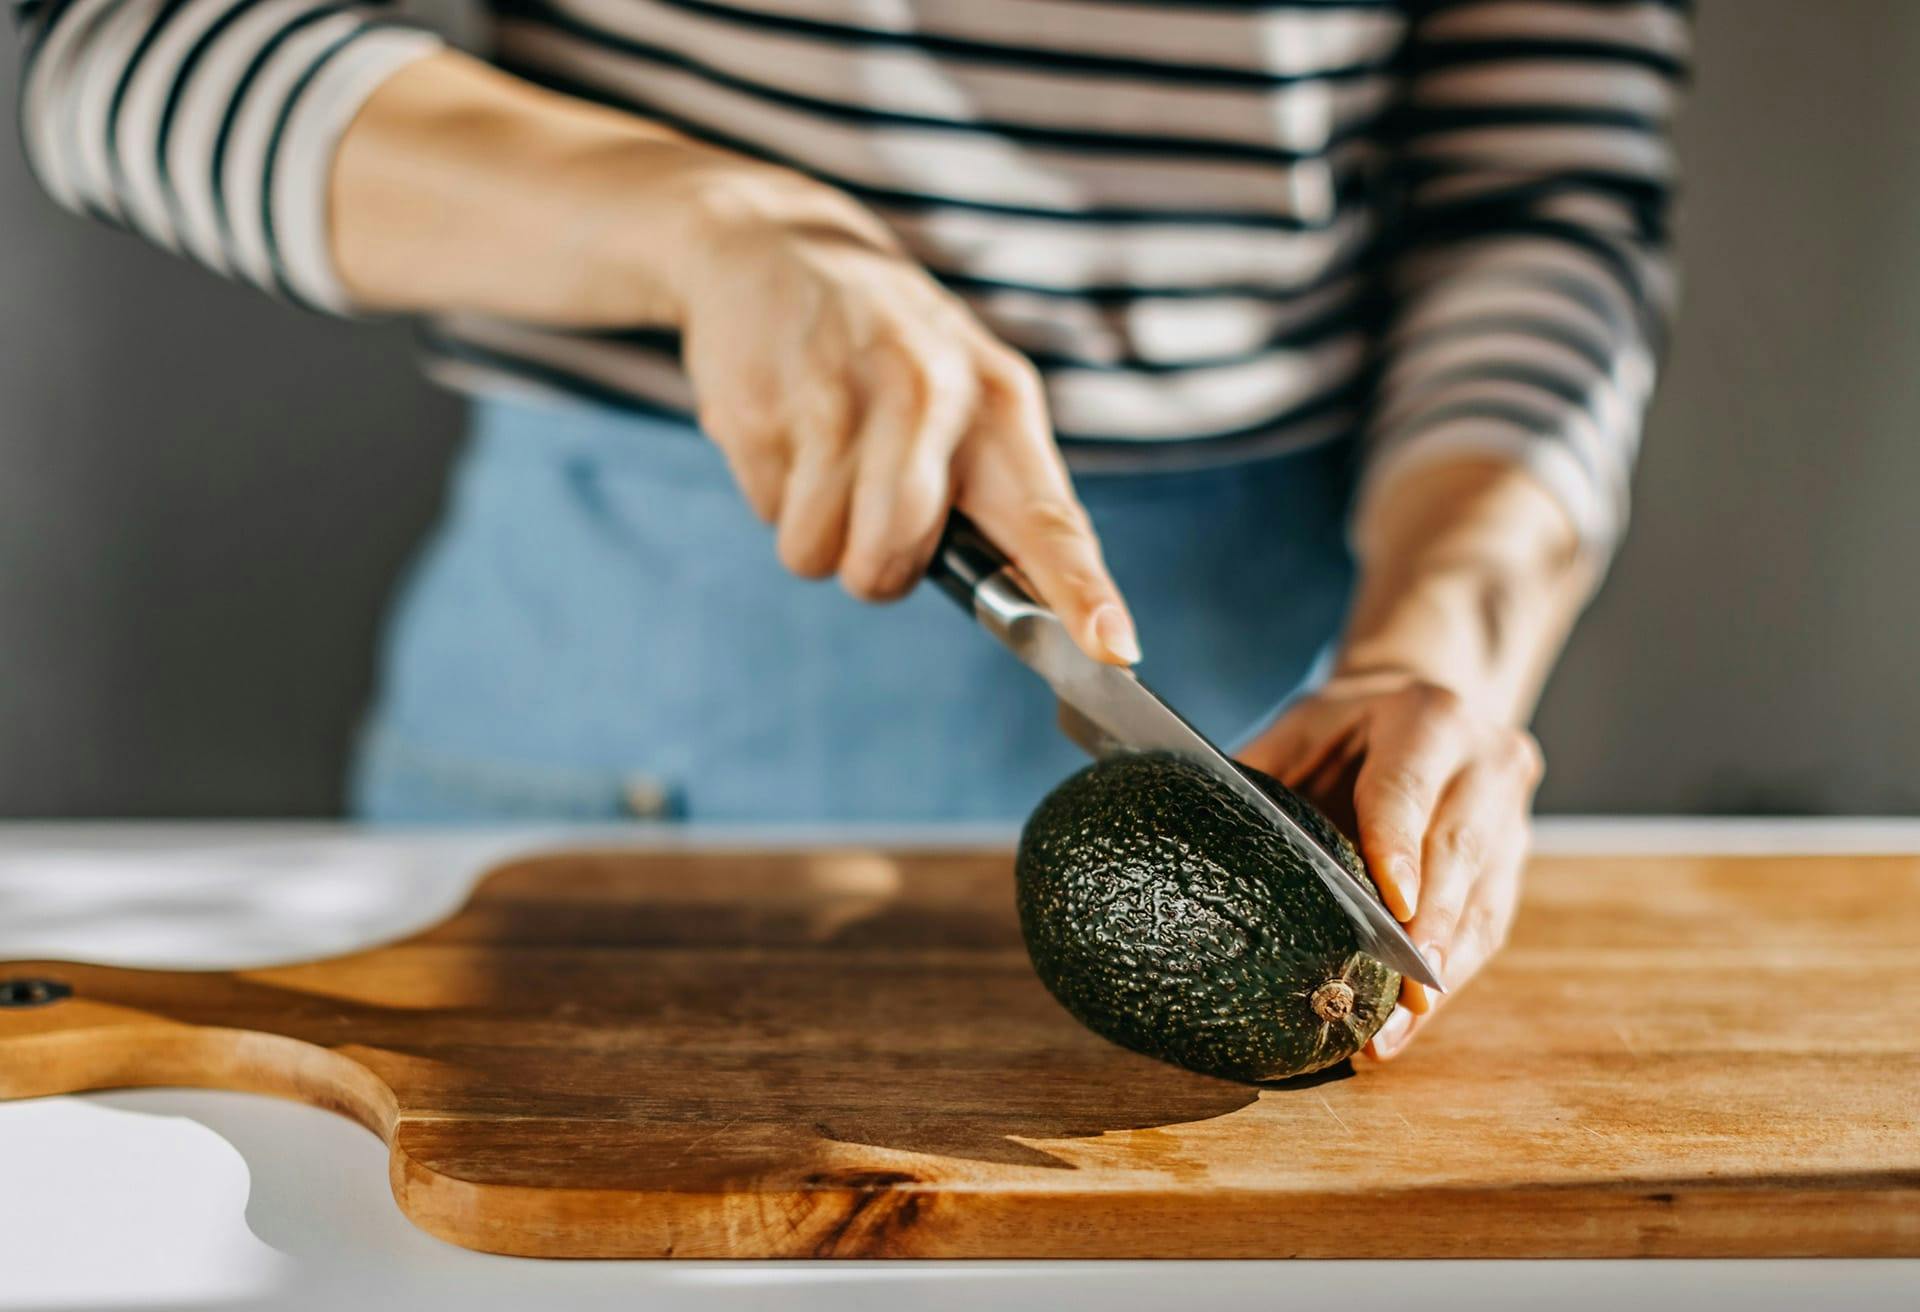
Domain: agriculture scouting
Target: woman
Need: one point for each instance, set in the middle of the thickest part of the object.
(1269, 279)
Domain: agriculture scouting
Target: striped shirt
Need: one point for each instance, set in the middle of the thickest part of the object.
(1220, 229)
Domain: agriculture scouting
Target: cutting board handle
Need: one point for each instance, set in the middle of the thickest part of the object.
(65, 1028)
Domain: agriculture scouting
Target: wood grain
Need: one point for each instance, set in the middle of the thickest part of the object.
(845, 1054)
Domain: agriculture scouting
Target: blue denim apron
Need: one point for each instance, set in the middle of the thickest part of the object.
(599, 628)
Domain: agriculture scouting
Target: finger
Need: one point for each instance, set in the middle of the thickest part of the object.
(756, 454)
(814, 503)
(1410, 758)
(917, 414)
(1316, 762)
(1330, 787)
(1483, 929)
(1487, 919)
(1277, 750)
(1473, 828)
(762, 479)
(1016, 488)
(1300, 744)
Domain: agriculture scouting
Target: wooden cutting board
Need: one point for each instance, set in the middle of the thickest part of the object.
(845, 1054)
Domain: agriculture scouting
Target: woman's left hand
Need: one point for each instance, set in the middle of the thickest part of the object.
(1439, 796)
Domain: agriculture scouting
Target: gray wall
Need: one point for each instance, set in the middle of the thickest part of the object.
(1754, 648)
(204, 496)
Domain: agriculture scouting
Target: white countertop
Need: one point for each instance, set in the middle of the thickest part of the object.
(161, 1199)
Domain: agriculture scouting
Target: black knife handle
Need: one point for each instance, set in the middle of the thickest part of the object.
(964, 560)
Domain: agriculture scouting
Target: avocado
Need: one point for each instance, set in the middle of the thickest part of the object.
(1168, 916)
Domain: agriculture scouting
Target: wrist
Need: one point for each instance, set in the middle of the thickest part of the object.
(628, 225)
(1444, 627)
(1470, 576)
(729, 213)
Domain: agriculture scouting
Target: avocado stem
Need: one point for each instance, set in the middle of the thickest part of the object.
(1332, 1001)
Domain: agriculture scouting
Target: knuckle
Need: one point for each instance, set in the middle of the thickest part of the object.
(919, 495)
(910, 512)
(1396, 786)
(1058, 520)
(945, 412)
(735, 428)
(1016, 392)
(1435, 700)
(1520, 751)
(944, 377)
(832, 433)
(1480, 924)
(1073, 583)
(1461, 842)
(901, 360)
(1394, 845)
(751, 404)
(933, 391)
(1389, 832)
(1015, 373)
(1440, 916)
(1079, 583)
(822, 416)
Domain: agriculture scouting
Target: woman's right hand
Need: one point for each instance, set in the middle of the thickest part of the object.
(857, 400)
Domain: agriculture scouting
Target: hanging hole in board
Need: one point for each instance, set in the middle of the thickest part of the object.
(32, 992)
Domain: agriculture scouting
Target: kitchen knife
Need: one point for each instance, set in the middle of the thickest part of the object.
(1105, 708)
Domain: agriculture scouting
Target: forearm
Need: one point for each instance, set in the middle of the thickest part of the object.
(459, 187)
(1531, 290)
(1470, 578)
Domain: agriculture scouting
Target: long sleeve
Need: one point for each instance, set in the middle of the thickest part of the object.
(207, 126)
(1530, 284)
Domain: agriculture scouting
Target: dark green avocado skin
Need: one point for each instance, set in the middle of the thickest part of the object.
(1167, 916)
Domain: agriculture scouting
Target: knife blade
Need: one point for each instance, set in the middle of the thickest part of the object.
(1105, 708)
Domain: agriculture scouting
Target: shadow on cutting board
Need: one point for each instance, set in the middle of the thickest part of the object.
(698, 1021)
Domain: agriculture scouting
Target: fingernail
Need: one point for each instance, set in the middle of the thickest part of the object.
(1415, 997)
(1393, 1033)
(1115, 632)
(1403, 888)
